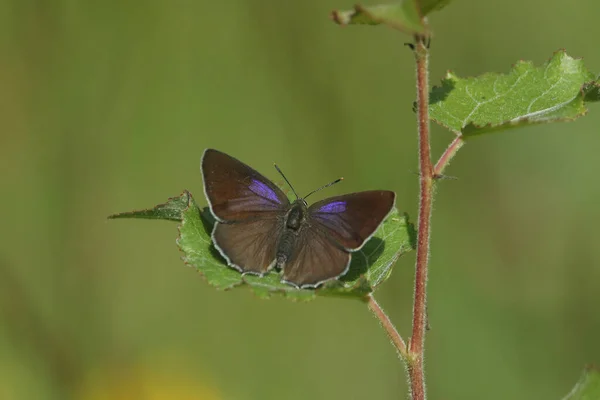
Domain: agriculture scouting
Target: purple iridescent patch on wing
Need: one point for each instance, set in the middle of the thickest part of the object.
(263, 191)
(333, 207)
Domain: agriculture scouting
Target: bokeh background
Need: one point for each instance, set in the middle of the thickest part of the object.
(107, 107)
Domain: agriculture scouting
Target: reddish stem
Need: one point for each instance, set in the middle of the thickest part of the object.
(416, 348)
(450, 152)
(389, 327)
(414, 353)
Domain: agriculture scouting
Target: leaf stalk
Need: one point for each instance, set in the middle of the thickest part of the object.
(448, 155)
(389, 327)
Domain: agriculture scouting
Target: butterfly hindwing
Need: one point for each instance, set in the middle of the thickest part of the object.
(315, 260)
(248, 246)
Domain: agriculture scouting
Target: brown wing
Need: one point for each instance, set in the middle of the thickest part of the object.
(351, 219)
(248, 246)
(315, 260)
(236, 192)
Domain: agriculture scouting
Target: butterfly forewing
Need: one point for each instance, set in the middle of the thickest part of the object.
(249, 246)
(237, 192)
(350, 220)
(315, 260)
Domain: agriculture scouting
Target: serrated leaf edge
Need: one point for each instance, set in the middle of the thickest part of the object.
(471, 129)
(131, 214)
(184, 258)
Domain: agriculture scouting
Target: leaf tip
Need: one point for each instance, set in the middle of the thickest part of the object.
(336, 17)
(343, 18)
(592, 368)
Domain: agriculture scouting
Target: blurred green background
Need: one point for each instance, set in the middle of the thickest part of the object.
(107, 107)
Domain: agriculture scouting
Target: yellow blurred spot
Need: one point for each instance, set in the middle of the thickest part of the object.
(142, 383)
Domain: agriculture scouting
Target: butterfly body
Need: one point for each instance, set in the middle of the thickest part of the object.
(294, 222)
(259, 229)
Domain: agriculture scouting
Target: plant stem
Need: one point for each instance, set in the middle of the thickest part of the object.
(386, 323)
(413, 354)
(416, 347)
(450, 152)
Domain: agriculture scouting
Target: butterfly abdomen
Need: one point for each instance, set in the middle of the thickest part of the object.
(285, 247)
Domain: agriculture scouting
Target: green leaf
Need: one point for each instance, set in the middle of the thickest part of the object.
(592, 91)
(406, 15)
(172, 210)
(556, 91)
(427, 6)
(196, 244)
(403, 16)
(370, 266)
(588, 387)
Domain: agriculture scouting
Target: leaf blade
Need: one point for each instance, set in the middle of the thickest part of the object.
(171, 210)
(556, 91)
(403, 16)
(370, 266)
(196, 244)
(406, 15)
(428, 6)
(588, 386)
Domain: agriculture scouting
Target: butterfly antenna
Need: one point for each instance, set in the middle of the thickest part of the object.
(288, 182)
(324, 186)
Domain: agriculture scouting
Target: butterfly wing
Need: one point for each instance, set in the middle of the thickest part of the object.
(336, 227)
(237, 192)
(316, 260)
(351, 219)
(248, 246)
(248, 208)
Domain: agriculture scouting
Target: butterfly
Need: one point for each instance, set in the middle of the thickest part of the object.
(257, 228)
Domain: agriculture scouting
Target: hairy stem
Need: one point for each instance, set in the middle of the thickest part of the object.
(386, 323)
(450, 152)
(416, 348)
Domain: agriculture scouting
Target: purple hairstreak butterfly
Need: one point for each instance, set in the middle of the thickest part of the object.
(257, 228)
